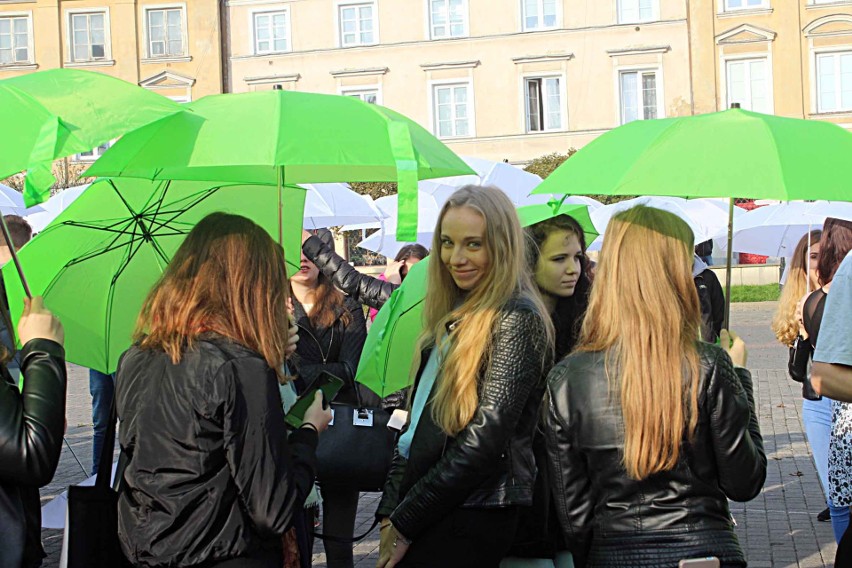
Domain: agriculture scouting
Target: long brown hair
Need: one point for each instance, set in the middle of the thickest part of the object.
(227, 277)
(836, 241)
(784, 324)
(469, 346)
(328, 302)
(644, 312)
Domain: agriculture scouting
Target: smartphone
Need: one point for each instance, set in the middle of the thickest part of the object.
(709, 562)
(327, 383)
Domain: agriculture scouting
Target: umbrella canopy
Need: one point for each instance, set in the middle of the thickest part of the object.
(515, 182)
(775, 230)
(96, 262)
(733, 153)
(12, 202)
(275, 137)
(532, 214)
(60, 112)
(385, 242)
(40, 216)
(334, 204)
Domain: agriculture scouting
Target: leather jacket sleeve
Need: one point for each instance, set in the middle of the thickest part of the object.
(390, 493)
(566, 465)
(353, 337)
(273, 479)
(363, 288)
(32, 422)
(516, 368)
(737, 443)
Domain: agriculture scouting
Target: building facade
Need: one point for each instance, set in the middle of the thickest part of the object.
(499, 79)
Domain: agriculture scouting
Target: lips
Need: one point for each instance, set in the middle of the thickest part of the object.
(569, 283)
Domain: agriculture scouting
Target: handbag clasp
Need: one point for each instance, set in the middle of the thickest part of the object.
(362, 417)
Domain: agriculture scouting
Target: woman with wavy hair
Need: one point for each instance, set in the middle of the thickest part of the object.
(212, 476)
(464, 464)
(649, 430)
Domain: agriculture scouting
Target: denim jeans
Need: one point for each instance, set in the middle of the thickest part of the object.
(816, 415)
(102, 389)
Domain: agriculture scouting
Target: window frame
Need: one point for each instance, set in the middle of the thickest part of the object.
(339, 6)
(563, 102)
(659, 89)
(837, 52)
(745, 58)
(359, 90)
(28, 17)
(655, 12)
(764, 5)
(70, 13)
(471, 108)
(146, 12)
(253, 14)
(558, 16)
(430, 26)
(96, 153)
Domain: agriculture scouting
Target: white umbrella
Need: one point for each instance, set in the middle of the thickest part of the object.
(775, 230)
(11, 201)
(334, 204)
(384, 241)
(41, 215)
(515, 182)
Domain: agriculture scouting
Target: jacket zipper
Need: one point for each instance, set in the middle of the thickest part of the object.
(324, 355)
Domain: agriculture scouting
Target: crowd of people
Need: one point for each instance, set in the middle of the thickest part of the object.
(558, 415)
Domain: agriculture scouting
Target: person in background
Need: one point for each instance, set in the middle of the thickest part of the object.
(704, 251)
(396, 271)
(649, 430)
(213, 479)
(21, 234)
(102, 389)
(464, 466)
(711, 298)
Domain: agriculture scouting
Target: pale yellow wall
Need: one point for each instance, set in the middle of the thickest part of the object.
(200, 71)
(589, 32)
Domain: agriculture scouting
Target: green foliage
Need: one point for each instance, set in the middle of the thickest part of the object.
(543, 166)
(374, 189)
(765, 293)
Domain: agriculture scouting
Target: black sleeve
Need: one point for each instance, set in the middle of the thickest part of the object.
(354, 336)
(361, 287)
(32, 422)
(717, 300)
(273, 473)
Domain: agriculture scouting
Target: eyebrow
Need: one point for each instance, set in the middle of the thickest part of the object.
(465, 239)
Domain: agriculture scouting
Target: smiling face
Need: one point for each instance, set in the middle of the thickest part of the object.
(464, 251)
(558, 268)
(308, 274)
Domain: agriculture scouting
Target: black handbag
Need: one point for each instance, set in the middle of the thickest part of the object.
(91, 524)
(357, 448)
(800, 355)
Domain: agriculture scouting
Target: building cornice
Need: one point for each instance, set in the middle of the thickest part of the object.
(542, 58)
(762, 35)
(639, 50)
(365, 72)
(450, 65)
(811, 30)
(264, 79)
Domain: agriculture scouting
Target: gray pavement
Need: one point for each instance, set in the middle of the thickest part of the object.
(777, 529)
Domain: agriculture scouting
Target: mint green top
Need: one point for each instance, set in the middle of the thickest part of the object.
(421, 396)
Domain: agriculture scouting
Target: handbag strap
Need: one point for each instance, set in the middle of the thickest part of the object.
(105, 460)
(345, 540)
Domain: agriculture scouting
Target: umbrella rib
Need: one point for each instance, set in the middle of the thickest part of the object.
(109, 248)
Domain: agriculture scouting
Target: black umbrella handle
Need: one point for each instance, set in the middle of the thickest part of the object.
(15, 259)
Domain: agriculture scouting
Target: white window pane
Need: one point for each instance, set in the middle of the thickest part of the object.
(157, 33)
(371, 98)
(81, 53)
(279, 20)
(174, 18)
(347, 13)
(461, 95)
(845, 81)
(349, 26)
(366, 37)
(462, 128)
(549, 10)
(280, 45)
(175, 47)
(365, 12)
(5, 55)
(457, 30)
(98, 37)
(263, 46)
(649, 95)
(263, 33)
(81, 38)
(443, 96)
(531, 14)
(97, 21)
(78, 22)
(155, 18)
(826, 82)
(445, 113)
(734, 3)
(5, 25)
(22, 54)
(445, 129)
(21, 26)
(5, 41)
(629, 97)
(736, 82)
(261, 20)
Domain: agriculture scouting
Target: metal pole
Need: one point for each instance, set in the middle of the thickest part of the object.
(14, 254)
(729, 262)
(281, 206)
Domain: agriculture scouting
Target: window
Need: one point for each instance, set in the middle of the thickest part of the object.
(638, 95)
(94, 154)
(165, 32)
(357, 24)
(88, 36)
(834, 82)
(367, 95)
(14, 40)
(632, 11)
(543, 101)
(748, 84)
(448, 18)
(745, 4)
(539, 14)
(451, 110)
(270, 32)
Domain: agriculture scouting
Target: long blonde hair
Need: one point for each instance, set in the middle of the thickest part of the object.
(644, 312)
(469, 345)
(784, 324)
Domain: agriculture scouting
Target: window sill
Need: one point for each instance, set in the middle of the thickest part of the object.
(813, 6)
(745, 12)
(448, 38)
(638, 22)
(830, 113)
(18, 67)
(93, 63)
(166, 59)
(455, 138)
(541, 132)
(352, 45)
(259, 55)
(541, 29)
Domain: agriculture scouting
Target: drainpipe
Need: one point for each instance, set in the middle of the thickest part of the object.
(225, 46)
(689, 50)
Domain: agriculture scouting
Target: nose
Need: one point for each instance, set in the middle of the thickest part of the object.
(458, 257)
(573, 267)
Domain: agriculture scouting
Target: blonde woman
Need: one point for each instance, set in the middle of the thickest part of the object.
(649, 430)
(465, 464)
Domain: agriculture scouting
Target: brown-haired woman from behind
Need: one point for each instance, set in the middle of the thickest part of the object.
(649, 430)
(213, 477)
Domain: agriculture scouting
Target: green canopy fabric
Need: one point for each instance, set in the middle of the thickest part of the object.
(274, 136)
(97, 261)
(59, 112)
(532, 214)
(733, 153)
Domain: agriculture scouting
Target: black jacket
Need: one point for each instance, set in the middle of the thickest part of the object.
(334, 349)
(712, 300)
(363, 288)
(31, 429)
(212, 474)
(681, 513)
(490, 463)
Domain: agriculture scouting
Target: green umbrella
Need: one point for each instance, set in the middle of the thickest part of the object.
(59, 112)
(385, 365)
(273, 137)
(96, 262)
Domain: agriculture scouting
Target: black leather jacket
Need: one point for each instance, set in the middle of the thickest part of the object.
(490, 463)
(681, 513)
(31, 429)
(212, 474)
(363, 288)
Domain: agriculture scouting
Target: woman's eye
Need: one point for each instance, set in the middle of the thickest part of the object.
(474, 244)
(558, 258)
(446, 242)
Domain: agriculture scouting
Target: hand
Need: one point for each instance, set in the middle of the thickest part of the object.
(398, 549)
(800, 307)
(386, 538)
(38, 322)
(735, 347)
(393, 272)
(305, 236)
(317, 415)
(292, 337)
